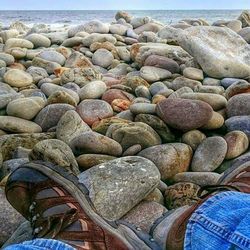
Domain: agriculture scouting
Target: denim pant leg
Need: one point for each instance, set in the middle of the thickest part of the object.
(40, 244)
(220, 223)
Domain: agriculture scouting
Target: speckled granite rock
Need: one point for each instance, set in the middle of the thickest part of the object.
(115, 187)
(181, 194)
(9, 143)
(57, 152)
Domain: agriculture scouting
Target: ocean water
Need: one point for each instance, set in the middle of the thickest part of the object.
(73, 17)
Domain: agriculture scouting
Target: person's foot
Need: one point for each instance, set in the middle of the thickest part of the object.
(58, 207)
(169, 230)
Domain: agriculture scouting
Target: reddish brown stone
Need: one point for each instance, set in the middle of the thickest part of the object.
(94, 110)
(162, 62)
(120, 105)
(184, 114)
(112, 94)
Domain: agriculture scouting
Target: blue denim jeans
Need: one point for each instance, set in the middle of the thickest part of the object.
(40, 244)
(222, 222)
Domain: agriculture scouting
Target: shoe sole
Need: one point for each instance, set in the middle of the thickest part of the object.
(77, 189)
(232, 172)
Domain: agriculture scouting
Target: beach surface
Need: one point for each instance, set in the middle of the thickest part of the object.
(145, 110)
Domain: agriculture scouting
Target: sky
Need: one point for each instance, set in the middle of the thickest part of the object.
(122, 4)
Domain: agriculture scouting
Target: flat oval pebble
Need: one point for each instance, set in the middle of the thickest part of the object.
(184, 114)
(200, 178)
(239, 105)
(94, 143)
(237, 144)
(103, 58)
(216, 122)
(239, 87)
(241, 123)
(209, 154)
(26, 108)
(49, 116)
(18, 125)
(182, 81)
(39, 40)
(87, 161)
(216, 101)
(17, 43)
(153, 74)
(110, 184)
(170, 159)
(52, 56)
(112, 94)
(134, 133)
(92, 90)
(94, 110)
(142, 108)
(18, 78)
(50, 88)
(193, 73)
(158, 125)
(70, 126)
(162, 62)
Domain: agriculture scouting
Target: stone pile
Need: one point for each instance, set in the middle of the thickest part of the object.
(145, 114)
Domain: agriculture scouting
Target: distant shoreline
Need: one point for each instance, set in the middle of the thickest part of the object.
(131, 10)
(60, 18)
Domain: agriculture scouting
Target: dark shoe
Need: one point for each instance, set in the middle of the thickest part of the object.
(169, 231)
(58, 207)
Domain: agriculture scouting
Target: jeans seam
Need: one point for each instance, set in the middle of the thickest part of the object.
(222, 232)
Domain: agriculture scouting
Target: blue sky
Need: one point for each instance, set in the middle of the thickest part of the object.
(122, 4)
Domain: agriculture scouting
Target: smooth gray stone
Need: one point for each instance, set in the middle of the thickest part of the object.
(52, 56)
(157, 87)
(70, 126)
(49, 116)
(170, 158)
(226, 82)
(6, 98)
(115, 187)
(92, 142)
(209, 154)
(11, 165)
(241, 123)
(199, 178)
(143, 108)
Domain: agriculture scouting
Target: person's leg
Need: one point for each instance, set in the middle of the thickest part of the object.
(40, 244)
(221, 222)
(228, 215)
(58, 207)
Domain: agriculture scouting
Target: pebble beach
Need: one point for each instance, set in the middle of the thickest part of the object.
(144, 113)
